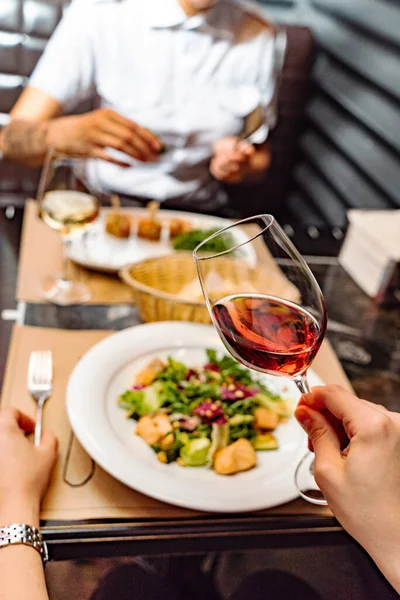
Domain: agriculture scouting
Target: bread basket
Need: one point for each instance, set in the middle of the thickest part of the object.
(162, 287)
(156, 284)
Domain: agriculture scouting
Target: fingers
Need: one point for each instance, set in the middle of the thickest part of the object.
(245, 149)
(97, 152)
(109, 140)
(228, 170)
(49, 446)
(336, 423)
(325, 443)
(13, 416)
(238, 155)
(334, 398)
(109, 128)
(147, 136)
(231, 159)
(232, 148)
(125, 140)
(142, 139)
(358, 417)
(225, 145)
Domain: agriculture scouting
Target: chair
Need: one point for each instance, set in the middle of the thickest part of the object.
(270, 194)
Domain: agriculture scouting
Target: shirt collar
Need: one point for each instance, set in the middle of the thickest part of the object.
(165, 14)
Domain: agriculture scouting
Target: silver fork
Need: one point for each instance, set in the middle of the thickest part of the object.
(40, 385)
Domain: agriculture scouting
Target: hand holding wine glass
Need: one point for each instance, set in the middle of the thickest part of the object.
(357, 466)
(276, 320)
(67, 204)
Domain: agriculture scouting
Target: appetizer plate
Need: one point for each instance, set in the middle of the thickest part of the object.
(99, 251)
(108, 369)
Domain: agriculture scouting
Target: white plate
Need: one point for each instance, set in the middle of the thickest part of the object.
(99, 251)
(108, 369)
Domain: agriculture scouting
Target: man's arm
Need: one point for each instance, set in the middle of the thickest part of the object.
(24, 139)
(64, 76)
(34, 129)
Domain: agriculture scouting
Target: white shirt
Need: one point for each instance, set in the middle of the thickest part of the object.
(190, 80)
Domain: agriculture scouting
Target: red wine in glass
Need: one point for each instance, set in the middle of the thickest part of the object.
(267, 333)
(259, 323)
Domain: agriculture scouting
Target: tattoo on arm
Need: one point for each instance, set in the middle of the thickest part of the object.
(25, 141)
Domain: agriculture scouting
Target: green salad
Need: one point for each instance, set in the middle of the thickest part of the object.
(217, 415)
(191, 239)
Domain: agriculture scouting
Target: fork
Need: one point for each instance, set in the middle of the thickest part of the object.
(40, 385)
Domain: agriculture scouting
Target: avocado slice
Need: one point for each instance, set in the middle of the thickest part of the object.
(241, 419)
(265, 441)
(194, 454)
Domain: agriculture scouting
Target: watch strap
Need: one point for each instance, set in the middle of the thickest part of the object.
(20, 533)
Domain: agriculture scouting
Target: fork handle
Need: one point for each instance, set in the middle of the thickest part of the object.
(39, 422)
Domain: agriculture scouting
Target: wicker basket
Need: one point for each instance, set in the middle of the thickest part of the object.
(156, 283)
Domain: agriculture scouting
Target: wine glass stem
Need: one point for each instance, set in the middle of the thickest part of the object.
(302, 384)
(65, 259)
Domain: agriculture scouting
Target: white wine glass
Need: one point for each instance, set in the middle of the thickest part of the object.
(68, 204)
(266, 306)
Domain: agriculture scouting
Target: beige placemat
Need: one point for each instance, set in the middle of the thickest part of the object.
(80, 490)
(41, 257)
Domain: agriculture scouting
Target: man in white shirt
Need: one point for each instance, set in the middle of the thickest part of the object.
(180, 74)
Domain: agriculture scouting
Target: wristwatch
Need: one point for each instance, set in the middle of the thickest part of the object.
(19, 533)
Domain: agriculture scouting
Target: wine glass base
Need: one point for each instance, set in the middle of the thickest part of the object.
(305, 482)
(63, 292)
(313, 497)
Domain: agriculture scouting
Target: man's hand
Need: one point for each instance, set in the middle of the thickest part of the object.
(25, 469)
(90, 134)
(230, 162)
(357, 467)
(234, 160)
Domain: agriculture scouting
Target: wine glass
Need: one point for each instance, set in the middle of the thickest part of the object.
(266, 306)
(66, 203)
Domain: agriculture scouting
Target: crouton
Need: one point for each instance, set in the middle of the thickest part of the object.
(237, 457)
(266, 419)
(147, 375)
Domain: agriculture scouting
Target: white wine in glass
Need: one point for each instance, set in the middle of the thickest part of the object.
(68, 210)
(67, 204)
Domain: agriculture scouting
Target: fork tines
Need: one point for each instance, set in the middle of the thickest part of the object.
(40, 370)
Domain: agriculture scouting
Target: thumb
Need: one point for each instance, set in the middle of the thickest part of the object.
(246, 149)
(49, 447)
(324, 440)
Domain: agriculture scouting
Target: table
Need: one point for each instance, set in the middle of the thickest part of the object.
(366, 339)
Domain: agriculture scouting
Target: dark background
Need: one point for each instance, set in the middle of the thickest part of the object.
(349, 153)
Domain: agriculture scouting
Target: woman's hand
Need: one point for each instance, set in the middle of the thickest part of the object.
(357, 467)
(25, 470)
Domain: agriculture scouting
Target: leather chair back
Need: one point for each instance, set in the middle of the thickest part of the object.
(270, 194)
(25, 27)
